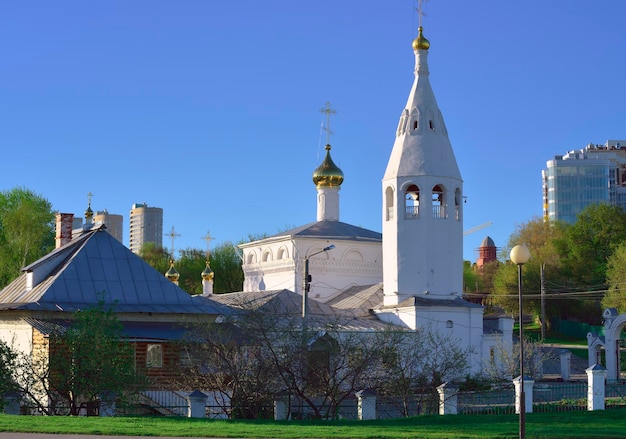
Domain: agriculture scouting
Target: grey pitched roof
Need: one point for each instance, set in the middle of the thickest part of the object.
(334, 230)
(286, 302)
(76, 275)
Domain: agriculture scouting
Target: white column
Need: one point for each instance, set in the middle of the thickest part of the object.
(566, 359)
(528, 394)
(281, 408)
(197, 404)
(596, 376)
(366, 404)
(448, 399)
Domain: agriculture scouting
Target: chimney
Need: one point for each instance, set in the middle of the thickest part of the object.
(64, 223)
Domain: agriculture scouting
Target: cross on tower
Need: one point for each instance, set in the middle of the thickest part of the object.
(89, 195)
(420, 10)
(173, 235)
(208, 238)
(329, 112)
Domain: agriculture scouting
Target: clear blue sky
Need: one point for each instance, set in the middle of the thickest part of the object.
(210, 109)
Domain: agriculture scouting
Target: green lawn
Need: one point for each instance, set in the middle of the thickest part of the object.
(599, 424)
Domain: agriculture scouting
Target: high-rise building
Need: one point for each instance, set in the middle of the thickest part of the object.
(113, 223)
(593, 175)
(146, 225)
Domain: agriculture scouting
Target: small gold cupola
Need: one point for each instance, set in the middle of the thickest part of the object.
(207, 273)
(328, 173)
(420, 43)
(172, 274)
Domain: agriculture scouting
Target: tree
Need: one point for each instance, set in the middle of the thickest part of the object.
(81, 365)
(541, 238)
(224, 262)
(26, 231)
(615, 296)
(8, 361)
(265, 352)
(415, 363)
(587, 245)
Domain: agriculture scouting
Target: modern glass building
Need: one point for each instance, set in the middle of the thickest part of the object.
(595, 174)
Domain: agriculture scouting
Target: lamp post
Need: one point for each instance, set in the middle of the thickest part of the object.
(519, 256)
(307, 284)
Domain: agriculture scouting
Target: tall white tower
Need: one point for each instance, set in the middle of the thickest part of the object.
(422, 193)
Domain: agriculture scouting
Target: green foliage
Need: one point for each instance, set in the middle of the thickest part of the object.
(89, 361)
(615, 297)
(26, 231)
(223, 260)
(156, 256)
(587, 245)
(8, 361)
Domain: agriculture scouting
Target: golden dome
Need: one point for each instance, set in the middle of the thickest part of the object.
(172, 274)
(207, 273)
(328, 173)
(420, 43)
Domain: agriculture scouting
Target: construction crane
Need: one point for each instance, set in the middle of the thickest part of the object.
(477, 228)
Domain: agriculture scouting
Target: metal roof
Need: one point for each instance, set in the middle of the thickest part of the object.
(334, 230)
(95, 266)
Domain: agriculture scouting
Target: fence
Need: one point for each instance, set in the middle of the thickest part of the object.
(595, 394)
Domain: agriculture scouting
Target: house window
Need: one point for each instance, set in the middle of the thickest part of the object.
(154, 356)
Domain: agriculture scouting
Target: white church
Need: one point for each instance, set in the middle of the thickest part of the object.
(411, 275)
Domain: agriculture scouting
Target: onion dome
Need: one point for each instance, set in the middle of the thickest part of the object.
(420, 43)
(172, 274)
(207, 273)
(88, 214)
(328, 173)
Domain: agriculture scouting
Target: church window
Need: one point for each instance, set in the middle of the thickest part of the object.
(438, 198)
(412, 202)
(457, 204)
(154, 356)
(389, 203)
(431, 124)
(282, 253)
(414, 124)
(251, 258)
(449, 324)
(267, 256)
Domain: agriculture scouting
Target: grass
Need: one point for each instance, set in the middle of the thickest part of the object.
(582, 425)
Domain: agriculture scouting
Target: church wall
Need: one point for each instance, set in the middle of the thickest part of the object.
(350, 263)
(17, 334)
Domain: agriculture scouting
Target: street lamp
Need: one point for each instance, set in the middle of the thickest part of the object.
(307, 282)
(519, 256)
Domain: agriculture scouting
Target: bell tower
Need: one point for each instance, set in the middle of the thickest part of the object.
(422, 194)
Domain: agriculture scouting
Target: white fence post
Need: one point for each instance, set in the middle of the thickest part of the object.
(566, 359)
(596, 376)
(448, 398)
(366, 404)
(197, 404)
(528, 394)
(281, 408)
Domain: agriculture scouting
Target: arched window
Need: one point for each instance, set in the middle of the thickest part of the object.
(457, 204)
(267, 256)
(389, 203)
(412, 202)
(282, 253)
(439, 204)
(251, 258)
